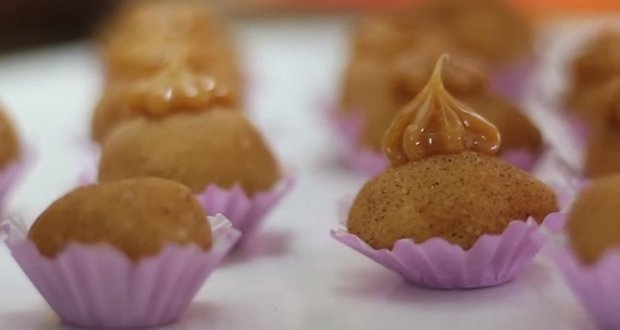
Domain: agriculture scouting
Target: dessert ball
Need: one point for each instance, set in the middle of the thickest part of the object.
(517, 130)
(444, 180)
(9, 141)
(214, 147)
(593, 225)
(457, 197)
(377, 90)
(137, 216)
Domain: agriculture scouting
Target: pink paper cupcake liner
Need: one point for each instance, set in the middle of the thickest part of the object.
(436, 263)
(245, 213)
(98, 286)
(596, 286)
(513, 79)
(349, 128)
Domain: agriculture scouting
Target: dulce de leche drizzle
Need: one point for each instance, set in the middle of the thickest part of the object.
(436, 123)
(179, 88)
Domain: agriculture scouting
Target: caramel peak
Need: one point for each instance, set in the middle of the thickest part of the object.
(436, 123)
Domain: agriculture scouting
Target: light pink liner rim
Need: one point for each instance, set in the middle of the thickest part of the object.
(391, 259)
(14, 232)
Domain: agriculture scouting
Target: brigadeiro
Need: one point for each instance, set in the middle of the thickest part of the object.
(447, 213)
(131, 253)
(219, 154)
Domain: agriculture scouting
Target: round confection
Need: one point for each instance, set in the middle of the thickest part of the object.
(137, 216)
(603, 150)
(457, 197)
(593, 225)
(9, 141)
(214, 147)
(377, 90)
(517, 130)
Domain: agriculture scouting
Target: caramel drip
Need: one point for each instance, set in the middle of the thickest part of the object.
(179, 88)
(436, 123)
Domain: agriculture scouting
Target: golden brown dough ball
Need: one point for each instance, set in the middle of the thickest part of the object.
(593, 225)
(456, 197)
(215, 147)
(517, 130)
(137, 216)
(10, 149)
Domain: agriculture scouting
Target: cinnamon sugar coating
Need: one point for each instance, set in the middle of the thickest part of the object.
(457, 197)
(137, 216)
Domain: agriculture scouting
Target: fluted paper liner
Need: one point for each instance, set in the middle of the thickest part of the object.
(245, 213)
(436, 263)
(98, 286)
(597, 286)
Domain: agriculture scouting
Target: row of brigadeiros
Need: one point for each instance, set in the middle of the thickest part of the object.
(453, 202)
(176, 150)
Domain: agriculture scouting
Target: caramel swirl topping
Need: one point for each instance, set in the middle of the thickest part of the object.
(179, 88)
(436, 123)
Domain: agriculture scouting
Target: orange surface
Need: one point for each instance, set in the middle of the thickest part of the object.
(568, 5)
(533, 6)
